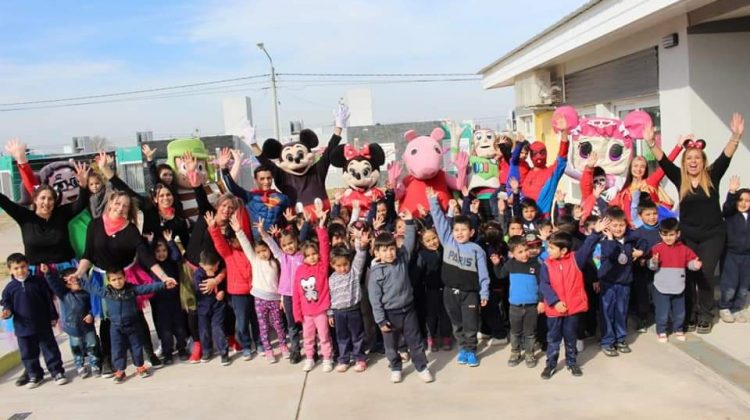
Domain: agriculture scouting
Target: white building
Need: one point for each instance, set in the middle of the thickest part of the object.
(686, 62)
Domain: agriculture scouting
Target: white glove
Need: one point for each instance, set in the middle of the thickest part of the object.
(341, 114)
(248, 133)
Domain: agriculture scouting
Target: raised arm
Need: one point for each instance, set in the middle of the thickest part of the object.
(442, 227)
(737, 126)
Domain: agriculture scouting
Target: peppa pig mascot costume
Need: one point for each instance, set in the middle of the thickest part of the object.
(423, 159)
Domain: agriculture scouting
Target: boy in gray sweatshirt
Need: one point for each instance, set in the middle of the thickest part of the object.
(465, 276)
(392, 300)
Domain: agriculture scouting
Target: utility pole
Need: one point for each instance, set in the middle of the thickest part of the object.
(276, 131)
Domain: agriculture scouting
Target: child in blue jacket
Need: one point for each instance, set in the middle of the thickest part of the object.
(123, 316)
(79, 321)
(27, 299)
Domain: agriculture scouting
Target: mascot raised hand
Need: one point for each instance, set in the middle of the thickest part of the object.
(295, 170)
(423, 158)
(361, 173)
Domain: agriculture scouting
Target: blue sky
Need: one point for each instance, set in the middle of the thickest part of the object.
(72, 48)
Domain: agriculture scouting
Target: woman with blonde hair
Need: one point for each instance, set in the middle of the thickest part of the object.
(701, 221)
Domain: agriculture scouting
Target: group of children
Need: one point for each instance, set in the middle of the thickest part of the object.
(406, 283)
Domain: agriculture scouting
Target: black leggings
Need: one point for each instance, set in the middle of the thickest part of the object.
(700, 303)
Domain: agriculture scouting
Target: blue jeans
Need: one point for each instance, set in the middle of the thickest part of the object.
(667, 305)
(124, 337)
(350, 334)
(615, 298)
(211, 326)
(735, 279)
(292, 328)
(242, 307)
(86, 345)
(559, 328)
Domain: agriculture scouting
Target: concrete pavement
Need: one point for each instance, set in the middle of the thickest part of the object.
(656, 380)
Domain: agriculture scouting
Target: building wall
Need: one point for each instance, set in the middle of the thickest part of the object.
(720, 85)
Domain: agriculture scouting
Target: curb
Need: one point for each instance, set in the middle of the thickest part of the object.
(9, 361)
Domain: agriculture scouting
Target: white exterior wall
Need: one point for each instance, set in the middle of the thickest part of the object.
(720, 85)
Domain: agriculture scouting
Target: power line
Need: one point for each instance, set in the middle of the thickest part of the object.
(138, 98)
(378, 74)
(133, 92)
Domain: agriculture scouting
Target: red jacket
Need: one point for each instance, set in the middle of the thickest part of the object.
(310, 293)
(239, 270)
(561, 280)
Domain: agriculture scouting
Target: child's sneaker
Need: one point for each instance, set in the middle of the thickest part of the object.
(119, 377)
(623, 347)
(548, 372)
(22, 380)
(426, 376)
(183, 355)
(168, 360)
(295, 358)
(107, 371)
(270, 357)
(461, 359)
(610, 351)
(471, 359)
(83, 372)
(342, 367)
(96, 371)
(206, 358)
(447, 344)
(155, 362)
(726, 316)
(327, 365)
(680, 336)
(515, 359)
(360, 366)
(662, 338)
(233, 344)
(195, 355)
(247, 354)
(396, 376)
(432, 344)
(285, 351)
(60, 379)
(143, 371)
(34, 382)
(740, 317)
(530, 360)
(225, 360)
(308, 365)
(575, 370)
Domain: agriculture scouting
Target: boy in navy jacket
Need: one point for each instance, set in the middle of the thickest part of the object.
(27, 298)
(647, 232)
(211, 308)
(79, 321)
(467, 281)
(123, 316)
(618, 250)
(525, 300)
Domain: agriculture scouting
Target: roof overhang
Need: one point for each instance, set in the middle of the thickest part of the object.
(593, 24)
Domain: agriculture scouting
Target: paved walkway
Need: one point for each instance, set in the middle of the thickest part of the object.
(656, 380)
(706, 378)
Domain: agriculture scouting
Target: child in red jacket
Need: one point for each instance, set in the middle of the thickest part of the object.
(669, 260)
(311, 297)
(239, 282)
(561, 283)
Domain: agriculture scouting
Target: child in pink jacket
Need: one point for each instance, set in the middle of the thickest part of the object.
(311, 297)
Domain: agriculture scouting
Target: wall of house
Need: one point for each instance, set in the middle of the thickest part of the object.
(720, 85)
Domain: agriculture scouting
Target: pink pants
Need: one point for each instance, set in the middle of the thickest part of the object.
(319, 323)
